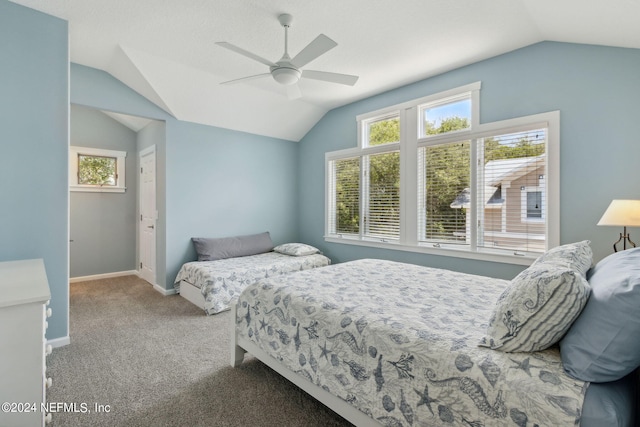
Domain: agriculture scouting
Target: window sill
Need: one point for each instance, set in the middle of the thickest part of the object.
(451, 251)
(91, 189)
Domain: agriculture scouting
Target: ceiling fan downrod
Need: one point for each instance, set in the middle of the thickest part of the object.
(285, 73)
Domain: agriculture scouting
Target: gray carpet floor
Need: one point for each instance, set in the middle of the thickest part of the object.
(151, 360)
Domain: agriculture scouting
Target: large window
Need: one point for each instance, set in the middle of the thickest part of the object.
(427, 177)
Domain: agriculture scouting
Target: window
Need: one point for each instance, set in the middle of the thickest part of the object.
(427, 177)
(345, 208)
(446, 115)
(534, 204)
(382, 204)
(444, 192)
(96, 170)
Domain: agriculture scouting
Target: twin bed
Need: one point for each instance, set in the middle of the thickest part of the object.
(226, 266)
(394, 344)
(213, 285)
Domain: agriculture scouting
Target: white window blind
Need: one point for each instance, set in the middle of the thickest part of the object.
(512, 191)
(443, 192)
(345, 196)
(382, 212)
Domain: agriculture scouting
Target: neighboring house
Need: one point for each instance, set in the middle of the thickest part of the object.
(514, 196)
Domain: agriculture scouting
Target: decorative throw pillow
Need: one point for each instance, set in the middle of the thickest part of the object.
(576, 256)
(296, 249)
(604, 343)
(536, 309)
(212, 249)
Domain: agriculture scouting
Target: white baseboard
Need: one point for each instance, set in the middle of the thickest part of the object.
(164, 291)
(59, 342)
(103, 276)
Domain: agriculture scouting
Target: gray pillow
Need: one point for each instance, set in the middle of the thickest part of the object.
(211, 249)
(536, 309)
(604, 342)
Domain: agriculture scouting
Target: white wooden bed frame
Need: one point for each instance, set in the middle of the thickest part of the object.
(192, 294)
(240, 346)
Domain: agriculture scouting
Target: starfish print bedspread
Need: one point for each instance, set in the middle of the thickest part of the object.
(400, 343)
(222, 281)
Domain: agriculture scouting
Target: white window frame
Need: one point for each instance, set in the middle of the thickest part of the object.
(75, 151)
(408, 145)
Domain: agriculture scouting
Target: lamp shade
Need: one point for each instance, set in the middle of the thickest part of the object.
(624, 213)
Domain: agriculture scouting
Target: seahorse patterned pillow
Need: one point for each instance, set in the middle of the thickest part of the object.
(536, 309)
(296, 249)
(576, 256)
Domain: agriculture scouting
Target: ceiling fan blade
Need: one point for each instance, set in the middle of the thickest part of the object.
(343, 79)
(244, 79)
(293, 92)
(246, 53)
(317, 47)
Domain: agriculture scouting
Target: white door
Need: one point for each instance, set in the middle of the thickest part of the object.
(148, 215)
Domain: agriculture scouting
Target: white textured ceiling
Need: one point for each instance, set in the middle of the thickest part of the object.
(165, 50)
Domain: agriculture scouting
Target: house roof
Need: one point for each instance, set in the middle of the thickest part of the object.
(499, 171)
(166, 50)
(496, 173)
(492, 198)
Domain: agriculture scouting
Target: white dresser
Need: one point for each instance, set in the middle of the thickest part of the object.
(24, 295)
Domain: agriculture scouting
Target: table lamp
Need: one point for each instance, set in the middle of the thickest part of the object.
(625, 213)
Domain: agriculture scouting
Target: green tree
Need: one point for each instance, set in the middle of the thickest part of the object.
(447, 125)
(447, 175)
(347, 196)
(384, 180)
(96, 170)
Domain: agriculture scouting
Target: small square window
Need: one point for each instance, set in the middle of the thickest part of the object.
(96, 170)
(382, 131)
(448, 115)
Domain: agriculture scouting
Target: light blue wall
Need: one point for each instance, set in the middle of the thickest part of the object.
(596, 90)
(222, 183)
(154, 134)
(103, 225)
(216, 182)
(34, 115)
(97, 89)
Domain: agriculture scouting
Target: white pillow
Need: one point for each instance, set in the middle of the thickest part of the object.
(296, 249)
(536, 309)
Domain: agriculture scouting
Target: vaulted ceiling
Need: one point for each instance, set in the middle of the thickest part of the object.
(166, 51)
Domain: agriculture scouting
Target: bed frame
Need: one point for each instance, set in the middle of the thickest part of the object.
(192, 294)
(240, 346)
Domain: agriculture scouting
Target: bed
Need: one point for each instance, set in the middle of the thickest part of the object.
(226, 266)
(408, 345)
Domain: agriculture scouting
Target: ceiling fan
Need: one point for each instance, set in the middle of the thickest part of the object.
(287, 71)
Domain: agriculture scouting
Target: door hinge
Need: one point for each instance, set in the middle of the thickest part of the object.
(140, 265)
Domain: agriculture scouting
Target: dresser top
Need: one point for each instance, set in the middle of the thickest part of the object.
(23, 282)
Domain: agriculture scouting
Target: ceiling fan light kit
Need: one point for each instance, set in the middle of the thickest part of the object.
(285, 75)
(287, 70)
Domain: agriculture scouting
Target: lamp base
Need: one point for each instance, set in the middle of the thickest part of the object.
(624, 237)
